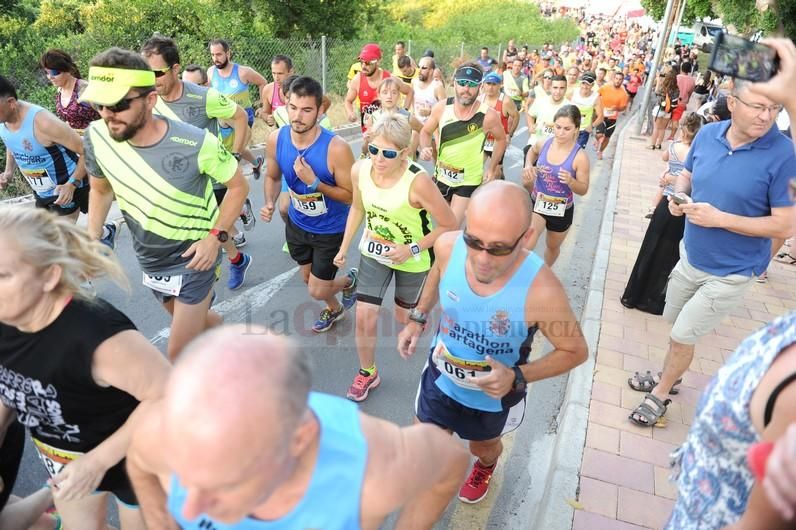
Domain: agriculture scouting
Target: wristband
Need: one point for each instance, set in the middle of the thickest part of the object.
(74, 182)
(314, 186)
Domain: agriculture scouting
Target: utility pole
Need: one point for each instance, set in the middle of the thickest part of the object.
(663, 41)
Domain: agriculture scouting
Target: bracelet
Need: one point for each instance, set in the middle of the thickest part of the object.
(74, 182)
(314, 186)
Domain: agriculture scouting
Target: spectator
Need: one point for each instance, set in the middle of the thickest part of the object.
(668, 97)
(685, 84)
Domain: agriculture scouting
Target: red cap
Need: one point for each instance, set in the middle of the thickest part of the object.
(370, 52)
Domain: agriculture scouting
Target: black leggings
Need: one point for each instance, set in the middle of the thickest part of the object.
(10, 458)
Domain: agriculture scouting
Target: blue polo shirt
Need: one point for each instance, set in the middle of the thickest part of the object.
(747, 181)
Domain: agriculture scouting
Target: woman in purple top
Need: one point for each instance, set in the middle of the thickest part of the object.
(62, 72)
(556, 168)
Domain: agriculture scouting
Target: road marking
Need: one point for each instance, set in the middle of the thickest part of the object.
(237, 308)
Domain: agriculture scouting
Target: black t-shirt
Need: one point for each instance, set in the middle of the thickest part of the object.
(46, 377)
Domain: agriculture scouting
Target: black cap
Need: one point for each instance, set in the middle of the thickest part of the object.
(588, 77)
(470, 73)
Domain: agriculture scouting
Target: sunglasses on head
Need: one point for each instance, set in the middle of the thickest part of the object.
(476, 245)
(161, 71)
(52, 72)
(121, 105)
(467, 82)
(389, 154)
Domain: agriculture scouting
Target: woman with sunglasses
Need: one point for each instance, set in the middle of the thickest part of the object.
(390, 96)
(557, 169)
(397, 200)
(63, 73)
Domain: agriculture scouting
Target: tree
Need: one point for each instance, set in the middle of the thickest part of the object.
(312, 18)
(744, 15)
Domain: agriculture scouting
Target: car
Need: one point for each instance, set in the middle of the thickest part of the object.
(705, 33)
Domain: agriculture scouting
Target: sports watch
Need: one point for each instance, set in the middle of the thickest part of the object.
(221, 235)
(520, 384)
(236, 156)
(414, 248)
(418, 316)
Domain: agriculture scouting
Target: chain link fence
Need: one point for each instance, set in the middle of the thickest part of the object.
(327, 60)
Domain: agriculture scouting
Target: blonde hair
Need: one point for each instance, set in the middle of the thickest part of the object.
(394, 128)
(389, 82)
(45, 240)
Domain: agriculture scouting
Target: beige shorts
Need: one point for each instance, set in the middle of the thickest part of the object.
(697, 302)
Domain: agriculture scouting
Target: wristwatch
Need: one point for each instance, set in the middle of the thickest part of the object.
(414, 248)
(237, 156)
(418, 316)
(221, 235)
(520, 384)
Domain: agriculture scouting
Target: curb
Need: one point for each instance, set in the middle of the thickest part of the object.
(563, 476)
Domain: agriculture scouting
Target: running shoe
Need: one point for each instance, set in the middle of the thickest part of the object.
(110, 237)
(237, 273)
(247, 215)
(327, 319)
(257, 168)
(350, 292)
(476, 486)
(362, 385)
(239, 240)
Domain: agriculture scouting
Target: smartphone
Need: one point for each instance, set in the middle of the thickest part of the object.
(743, 59)
(681, 198)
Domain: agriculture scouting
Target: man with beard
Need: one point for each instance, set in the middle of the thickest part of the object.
(316, 165)
(427, 91)
(365, 86)
(464, 122)
(540, 116)
(160, 171)
(281, 69)
(233, 80)
(614, 100)
(202, 107)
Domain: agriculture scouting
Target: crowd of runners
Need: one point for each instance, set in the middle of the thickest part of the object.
(170, 145)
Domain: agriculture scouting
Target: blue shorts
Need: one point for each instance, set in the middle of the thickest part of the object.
(433, 406)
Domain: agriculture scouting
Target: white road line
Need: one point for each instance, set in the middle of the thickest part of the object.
(236, 309)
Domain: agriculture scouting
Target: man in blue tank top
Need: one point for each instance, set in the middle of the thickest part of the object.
(233, 79)
(494, 295)
(316, 165)
(48, 153)
(262, 452)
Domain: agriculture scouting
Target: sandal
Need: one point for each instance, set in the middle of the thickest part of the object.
(652, 147)
(646, 382)
(644, 415)
(785, 257)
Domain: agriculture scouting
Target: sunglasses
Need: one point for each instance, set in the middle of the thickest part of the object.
(476, 245)
(162, 71)
(51, 72)
(467, 82)
(120, 106)
(389, 154)
(368, 63)
(547, 77)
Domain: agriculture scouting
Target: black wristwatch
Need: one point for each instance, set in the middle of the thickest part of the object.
(221, 235)
(418, 316)
(520, 384)
(237, 156)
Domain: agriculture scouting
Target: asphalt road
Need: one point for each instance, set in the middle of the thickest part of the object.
(275, 296)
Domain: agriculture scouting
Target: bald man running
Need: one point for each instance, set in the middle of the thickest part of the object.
(267, 451)
(494, 296)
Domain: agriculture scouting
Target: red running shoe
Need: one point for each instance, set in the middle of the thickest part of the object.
(476, 486)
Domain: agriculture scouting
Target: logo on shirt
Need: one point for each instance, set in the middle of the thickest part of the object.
(175, 163)
(472, 127)
(27, 145)
(233, 83)
(453, 296)
(184, 141)
(500, 324)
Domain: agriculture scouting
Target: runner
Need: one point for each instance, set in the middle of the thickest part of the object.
(72, 367)
(317, 167)
(233, 80)
(400, 52)
(427, 91)
(485, 61)
(614, 101)
(364, 86)
(201, 107)
(160, 171)
(463, 122)
(47, 152)
(509, 117)
(515, 84)
(572, 81)
(389, 96)
(555, 169)
(397, 199)
(494, 295)
(281, 69)
(540, 117)
(590, 105)
(63, 73)
(543, 87)
(312, 461)
(193, 73)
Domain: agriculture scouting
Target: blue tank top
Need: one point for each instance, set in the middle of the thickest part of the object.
(235, 89)
(43, 167)
(472, 327)
(547, 175)
(332, 500)
(311, 211)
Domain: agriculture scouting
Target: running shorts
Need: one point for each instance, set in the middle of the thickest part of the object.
(318, 250)
(607, 127)
(79, 201)
(449, 191)
(195, 286)
(557, 224)
(375, 277)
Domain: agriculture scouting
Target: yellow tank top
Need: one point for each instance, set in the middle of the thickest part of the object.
(461, 147)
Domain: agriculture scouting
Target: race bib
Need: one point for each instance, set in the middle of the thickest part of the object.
(552, 206)
(489, 145)
(310, 204)
(610, 113)
(54, 459)
(373, 246)
(451, 175)
(458, 370)
(39, 180)
(170, 285)
(547, 130)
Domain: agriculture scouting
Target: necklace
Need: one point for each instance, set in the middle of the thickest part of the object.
(473, 108)
(302, 152)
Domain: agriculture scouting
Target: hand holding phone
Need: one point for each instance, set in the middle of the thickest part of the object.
(681, 198)
(743, 59)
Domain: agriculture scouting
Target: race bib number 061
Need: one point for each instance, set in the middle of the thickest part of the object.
(459, 371)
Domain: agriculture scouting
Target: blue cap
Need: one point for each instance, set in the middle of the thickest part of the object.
(493, 77)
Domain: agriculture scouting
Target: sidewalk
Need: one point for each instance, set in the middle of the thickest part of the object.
(624, 473)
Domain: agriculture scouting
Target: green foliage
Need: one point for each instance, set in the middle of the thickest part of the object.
(311, 18)
(743, 15)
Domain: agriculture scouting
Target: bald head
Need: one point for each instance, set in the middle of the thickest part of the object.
(234, 379)
(502, 202)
